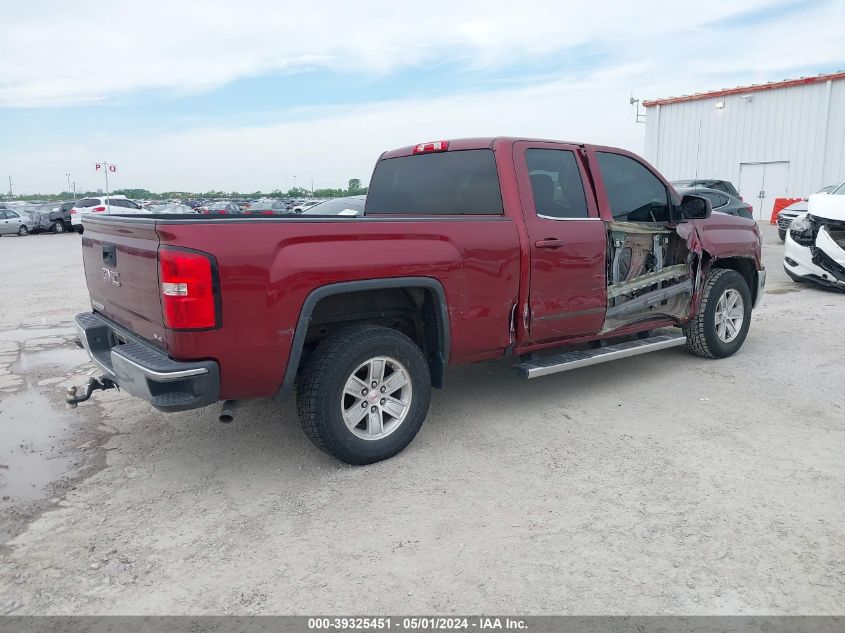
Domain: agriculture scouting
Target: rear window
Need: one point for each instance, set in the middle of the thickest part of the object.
(443, 183)
(88, 202)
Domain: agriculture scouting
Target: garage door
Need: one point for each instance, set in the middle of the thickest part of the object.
(761, 183)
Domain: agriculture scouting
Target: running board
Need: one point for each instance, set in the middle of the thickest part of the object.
(573, 360)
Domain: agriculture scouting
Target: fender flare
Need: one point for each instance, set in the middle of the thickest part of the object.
(437, 364)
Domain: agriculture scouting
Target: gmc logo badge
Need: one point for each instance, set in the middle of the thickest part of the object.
(111, 276)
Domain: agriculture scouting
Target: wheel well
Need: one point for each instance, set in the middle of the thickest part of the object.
(418, 311)
(744, 267)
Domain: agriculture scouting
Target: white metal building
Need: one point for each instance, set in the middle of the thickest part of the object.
(782, 139)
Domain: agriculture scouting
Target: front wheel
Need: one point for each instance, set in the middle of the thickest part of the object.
(719, 327)
(782, 235)
(23, 231)
(364, 394)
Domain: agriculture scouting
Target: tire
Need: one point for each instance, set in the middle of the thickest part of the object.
(322, 394)
(705, 336)
(23, 231)
(58, 227)
(80, 229)
(782, 235)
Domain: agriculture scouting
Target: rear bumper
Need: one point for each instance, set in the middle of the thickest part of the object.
(145, 371)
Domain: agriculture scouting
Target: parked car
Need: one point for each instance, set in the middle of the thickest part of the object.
(59, 219)
(361, 318)
(172, 208)
(15, 223)
(267, 206)
(303, 206)
(101, 205)
(814, 251)
(788, 214)
(722, 202)
(221, 208)
(708, 183)
(350, 205)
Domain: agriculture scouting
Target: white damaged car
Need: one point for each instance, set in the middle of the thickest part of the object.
(815, 243)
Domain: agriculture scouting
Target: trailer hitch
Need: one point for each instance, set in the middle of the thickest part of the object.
(93, 385)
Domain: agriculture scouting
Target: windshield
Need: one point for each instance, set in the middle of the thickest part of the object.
(338, 206)
(839, 191)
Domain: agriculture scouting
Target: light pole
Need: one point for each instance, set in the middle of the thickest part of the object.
(294, 182)
(68, 182)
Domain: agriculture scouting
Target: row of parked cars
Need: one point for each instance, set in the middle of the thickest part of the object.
(24, 219)
(69, 215)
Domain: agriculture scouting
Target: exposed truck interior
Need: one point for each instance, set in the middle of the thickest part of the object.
(650, 273)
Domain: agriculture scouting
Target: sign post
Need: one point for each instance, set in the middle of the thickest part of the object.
(106, 168)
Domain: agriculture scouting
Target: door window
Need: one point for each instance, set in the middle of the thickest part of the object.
(556, 184)
(634, 193)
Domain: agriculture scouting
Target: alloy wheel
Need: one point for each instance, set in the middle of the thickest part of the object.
(376, 398)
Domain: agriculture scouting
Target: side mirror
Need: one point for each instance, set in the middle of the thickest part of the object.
(695, 207)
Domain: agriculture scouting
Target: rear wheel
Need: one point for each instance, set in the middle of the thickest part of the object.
(719, 327)
(80, 230)
(23, 231)
(364, 394)
(58, 227)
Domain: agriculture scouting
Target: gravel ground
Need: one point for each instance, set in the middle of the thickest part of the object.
(658, 484)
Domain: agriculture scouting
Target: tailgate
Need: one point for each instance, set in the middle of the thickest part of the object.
(121, 268)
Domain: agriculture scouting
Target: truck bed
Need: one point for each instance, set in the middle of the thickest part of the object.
(268, 266)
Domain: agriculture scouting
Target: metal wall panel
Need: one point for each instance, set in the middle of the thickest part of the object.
(804, 125)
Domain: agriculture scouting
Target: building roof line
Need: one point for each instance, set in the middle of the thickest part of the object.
(788, 83)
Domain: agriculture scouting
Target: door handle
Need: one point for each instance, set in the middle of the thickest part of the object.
(549, 242)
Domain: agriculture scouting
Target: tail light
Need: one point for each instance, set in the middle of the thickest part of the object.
(436, 146)
(98, 209)
(189, 289)
(73, 211)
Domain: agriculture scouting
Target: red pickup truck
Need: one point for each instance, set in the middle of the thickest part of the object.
(467, 250)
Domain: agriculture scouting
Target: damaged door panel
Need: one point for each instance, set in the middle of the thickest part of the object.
(650, 274)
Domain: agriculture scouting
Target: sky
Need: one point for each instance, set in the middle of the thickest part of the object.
(197, 95)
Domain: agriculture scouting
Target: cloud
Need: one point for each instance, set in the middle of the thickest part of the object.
(660, 50)
(341, 142)
(61, 53)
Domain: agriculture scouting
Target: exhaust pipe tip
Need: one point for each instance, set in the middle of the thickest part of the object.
(227, 411)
